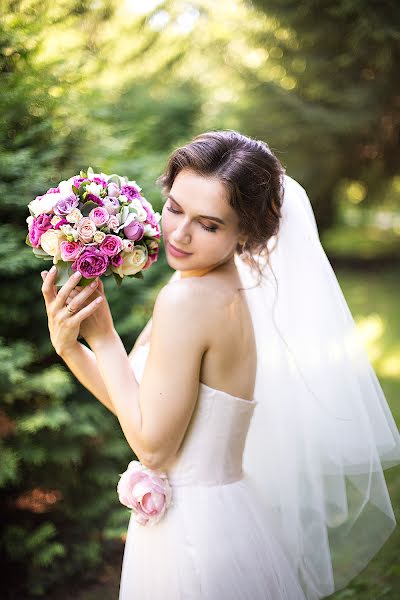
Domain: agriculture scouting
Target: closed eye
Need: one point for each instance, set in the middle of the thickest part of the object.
(211, 229)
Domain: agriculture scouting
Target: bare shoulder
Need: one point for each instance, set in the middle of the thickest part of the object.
(192, 303)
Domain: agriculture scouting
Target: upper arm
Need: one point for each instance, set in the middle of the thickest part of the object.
(170, 382)
(144, 335)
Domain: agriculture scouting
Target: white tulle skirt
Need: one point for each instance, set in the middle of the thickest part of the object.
(214, 542)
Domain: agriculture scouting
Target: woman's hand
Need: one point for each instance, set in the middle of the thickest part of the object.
(100, 323)
(63, 325)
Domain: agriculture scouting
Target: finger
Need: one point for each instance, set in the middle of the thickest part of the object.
(84, 312)
(66, 289)
(80, 298)
(49, 290)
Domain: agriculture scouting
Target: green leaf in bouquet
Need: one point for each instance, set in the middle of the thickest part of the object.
(40, 253)
(28, 241)
(64, 272)
(90, 172)
(138, 275)
(118, 279)
(87, 207)
(75, 190)
(84, 281)
(82, 174)
(114, 178)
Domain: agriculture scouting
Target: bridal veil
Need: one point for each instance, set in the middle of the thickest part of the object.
(322, 431)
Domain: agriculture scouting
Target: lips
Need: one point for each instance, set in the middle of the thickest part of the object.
(178, 250)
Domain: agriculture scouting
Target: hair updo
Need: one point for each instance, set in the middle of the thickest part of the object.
(252, 176)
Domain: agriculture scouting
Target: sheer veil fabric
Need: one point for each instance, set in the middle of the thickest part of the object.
(322, 431)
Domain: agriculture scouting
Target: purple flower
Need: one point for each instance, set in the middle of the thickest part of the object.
(65, 205)
(100, 181)
(134, 231)
(55, 190)
(62, 222)
(78, 181)
(39, 225)
(117, 260)
(91, 263)
(151, 218)
(130, 192)
(92, 198)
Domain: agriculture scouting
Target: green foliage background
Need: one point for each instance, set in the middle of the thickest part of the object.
(108, 85)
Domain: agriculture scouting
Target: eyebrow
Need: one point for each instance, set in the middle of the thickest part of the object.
(217, 219)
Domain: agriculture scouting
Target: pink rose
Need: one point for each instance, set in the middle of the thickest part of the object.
(86, 229)
(70, 250)
(111, 204)
(134, 230)
(91, 263)
(39, 225)
(145, 491)
(99, 216)
(111, 245)
(113, 223)
(113, 190)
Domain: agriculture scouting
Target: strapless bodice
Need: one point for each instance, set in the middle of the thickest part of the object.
(212, 449)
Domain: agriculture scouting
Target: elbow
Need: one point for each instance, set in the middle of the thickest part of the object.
(155, 462)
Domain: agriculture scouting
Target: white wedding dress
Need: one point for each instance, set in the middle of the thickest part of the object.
(215, 541)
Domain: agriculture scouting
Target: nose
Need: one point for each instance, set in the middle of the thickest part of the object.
(181, 234)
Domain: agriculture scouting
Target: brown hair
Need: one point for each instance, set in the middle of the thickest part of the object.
(252, 176)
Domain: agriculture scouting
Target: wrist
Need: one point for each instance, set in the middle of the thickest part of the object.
(106, 339)
(65, 351)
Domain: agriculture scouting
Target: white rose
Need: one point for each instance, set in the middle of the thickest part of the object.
(127, 245)
(29, 220)
(44, 204)
(68, 230)
(50, 242)
(65, 188)
(94, 188)
(74, 216)
(56, 219)
(133, 261)
(139, 209)
(99, 237)
(150, 230)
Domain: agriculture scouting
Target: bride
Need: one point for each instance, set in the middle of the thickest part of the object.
(249, 387)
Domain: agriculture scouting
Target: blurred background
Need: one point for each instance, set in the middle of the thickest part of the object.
(117, 86)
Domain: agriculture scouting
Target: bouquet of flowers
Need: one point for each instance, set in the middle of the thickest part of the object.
(96, 224)
(146, 492)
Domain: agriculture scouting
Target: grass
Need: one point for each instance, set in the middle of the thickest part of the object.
(373, 298)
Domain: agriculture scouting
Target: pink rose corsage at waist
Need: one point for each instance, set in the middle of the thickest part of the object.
(145, 491)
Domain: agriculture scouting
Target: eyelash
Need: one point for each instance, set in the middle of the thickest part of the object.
(212, 229)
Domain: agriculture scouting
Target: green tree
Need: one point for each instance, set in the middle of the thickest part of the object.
(326, 91)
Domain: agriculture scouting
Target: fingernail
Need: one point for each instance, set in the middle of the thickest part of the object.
(53, 268)
(77, 274)
(93, 284)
